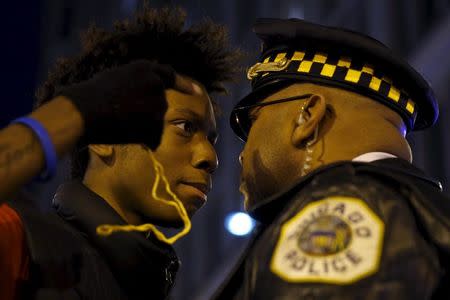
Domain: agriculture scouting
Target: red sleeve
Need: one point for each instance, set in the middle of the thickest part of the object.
(14, 257)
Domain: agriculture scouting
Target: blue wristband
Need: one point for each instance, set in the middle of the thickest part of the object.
(47, 146)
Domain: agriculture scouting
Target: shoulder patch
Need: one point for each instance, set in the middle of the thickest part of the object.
(335, 240)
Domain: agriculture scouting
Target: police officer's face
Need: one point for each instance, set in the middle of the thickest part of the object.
(268, 158)
(187, 154)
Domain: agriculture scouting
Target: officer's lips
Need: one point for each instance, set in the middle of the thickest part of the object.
(243, 188)
(244, 192)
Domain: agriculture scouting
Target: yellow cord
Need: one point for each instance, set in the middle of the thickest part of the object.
(106, 229)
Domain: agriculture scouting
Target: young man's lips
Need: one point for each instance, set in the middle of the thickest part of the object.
(199, 189)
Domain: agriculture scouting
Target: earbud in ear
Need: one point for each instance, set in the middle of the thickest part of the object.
(301, 119)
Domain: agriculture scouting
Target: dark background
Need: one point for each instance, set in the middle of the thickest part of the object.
(36, 32)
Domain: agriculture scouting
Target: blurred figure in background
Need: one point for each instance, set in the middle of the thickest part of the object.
(326, 169)
(123, 108)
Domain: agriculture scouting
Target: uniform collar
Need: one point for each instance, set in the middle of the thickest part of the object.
(135, 261)
(268, 208)
(372, 156)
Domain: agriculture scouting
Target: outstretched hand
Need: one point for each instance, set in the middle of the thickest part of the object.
(126, 104)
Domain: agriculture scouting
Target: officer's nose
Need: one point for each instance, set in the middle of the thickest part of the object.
(241, 158)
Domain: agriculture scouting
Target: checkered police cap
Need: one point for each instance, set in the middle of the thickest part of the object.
(298, 51)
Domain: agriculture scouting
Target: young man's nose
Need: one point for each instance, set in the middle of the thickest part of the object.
(205, 157)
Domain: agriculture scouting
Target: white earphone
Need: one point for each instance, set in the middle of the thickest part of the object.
(301, 119)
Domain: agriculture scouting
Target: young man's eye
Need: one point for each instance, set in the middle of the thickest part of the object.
(187, 127)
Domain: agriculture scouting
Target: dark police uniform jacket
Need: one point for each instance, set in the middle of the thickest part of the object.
(69, 261)
(350, 230)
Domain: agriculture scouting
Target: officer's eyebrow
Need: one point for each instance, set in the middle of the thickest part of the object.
(254, 110)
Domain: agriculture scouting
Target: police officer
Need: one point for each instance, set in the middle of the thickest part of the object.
(327, 171)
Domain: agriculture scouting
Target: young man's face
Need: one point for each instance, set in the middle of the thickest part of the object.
(187, 154)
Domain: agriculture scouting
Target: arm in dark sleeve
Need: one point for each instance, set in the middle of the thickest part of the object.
(14, 256)
(352, 240)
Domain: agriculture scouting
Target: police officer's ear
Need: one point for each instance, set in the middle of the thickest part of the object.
(103, 152)
(308, 119)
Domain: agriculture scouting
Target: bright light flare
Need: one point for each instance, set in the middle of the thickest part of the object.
(239, 223)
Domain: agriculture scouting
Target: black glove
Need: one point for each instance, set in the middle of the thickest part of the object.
(125, 104)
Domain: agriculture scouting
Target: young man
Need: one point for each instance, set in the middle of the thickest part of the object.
(60, 255)
(327, 171)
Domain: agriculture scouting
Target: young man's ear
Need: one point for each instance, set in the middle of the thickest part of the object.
(102, 152)
(308, 119)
